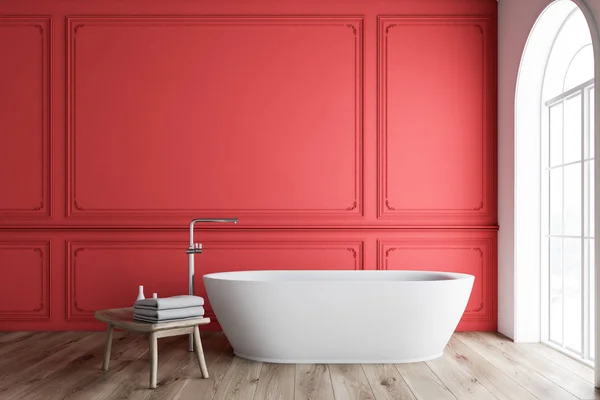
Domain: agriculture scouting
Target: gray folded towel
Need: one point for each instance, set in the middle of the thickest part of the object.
(156, 321)
(137, 307)
(169, 314)
(171, 302)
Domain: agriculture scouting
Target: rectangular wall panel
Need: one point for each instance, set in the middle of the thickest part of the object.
(475, 256)
(24, 117)
(175, 116)
(436, 121)
(161, 267)
(25, 282)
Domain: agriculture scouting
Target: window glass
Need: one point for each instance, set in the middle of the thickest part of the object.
(556, 201)
(572, 200)
(592, 136)
(556, 298)
(556, 137)
(572, 129)
(572, 37)
(572, 293)
(581, 68)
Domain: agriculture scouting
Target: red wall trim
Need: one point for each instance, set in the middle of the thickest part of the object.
(77, 26)
(38, 207)
(350, 250)
(484, 208)
(482, 305)
(39, 253)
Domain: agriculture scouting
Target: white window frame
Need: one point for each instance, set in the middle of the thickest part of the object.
(587, 317)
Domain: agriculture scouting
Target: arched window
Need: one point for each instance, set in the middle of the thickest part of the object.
(548, 240)
(567, 189)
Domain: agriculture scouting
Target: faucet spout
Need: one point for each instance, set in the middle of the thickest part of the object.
(231, 220)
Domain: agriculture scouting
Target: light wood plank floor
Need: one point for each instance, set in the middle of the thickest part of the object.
(475, 365)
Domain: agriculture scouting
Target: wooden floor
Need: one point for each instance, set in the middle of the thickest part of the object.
(477, 366)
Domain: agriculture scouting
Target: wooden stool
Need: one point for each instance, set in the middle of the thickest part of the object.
(122, 318)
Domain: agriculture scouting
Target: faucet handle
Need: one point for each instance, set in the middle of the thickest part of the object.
(197, 248)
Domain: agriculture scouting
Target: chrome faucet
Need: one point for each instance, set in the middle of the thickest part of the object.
(196, 248)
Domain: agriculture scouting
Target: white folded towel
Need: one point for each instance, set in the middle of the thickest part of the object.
(175, 313)
(171, 302)
(156, 321)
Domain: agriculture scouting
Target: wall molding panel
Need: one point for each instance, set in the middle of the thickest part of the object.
(480, 251)
(343, 32)
(25, 290)
(479, 207)
(219, 256)
(25, 145)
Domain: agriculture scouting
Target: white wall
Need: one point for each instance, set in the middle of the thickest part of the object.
(515, 20)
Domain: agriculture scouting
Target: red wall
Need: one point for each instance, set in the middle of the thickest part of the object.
(343, 135)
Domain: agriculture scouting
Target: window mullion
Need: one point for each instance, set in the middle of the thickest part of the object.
(562, 240)
(548, 227)
(584, 212)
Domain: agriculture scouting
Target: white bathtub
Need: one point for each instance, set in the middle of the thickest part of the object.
(338, 316)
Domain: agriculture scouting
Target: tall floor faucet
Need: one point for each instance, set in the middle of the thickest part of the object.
(197, 248)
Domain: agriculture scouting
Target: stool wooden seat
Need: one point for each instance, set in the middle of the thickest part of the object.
(122, 318)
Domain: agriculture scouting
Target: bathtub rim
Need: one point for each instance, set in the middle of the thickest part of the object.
(239, 276)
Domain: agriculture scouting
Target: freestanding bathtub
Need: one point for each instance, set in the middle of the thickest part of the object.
(338, 316)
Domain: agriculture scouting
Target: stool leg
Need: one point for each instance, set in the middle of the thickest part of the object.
(107, 347)
(200, 352)
(153, 359)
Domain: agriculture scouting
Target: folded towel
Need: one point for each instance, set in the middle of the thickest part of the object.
(156, 321)
(171, 302)
(137, 307)
(170, 314)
